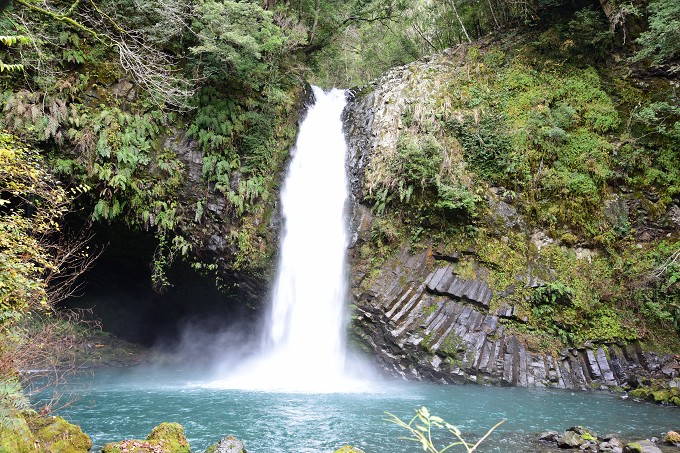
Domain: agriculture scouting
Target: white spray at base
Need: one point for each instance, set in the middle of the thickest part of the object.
(304, 344)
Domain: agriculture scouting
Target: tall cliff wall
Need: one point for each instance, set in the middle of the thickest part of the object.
(447, 305)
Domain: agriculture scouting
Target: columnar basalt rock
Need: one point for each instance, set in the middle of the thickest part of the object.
(424, 322)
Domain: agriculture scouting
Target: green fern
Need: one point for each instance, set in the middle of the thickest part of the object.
(12, 402)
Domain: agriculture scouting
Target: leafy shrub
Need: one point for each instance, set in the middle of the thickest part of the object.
(661, 43)
(486, 145)
(419, 180)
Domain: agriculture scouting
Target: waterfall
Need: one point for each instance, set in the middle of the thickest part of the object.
(306, 319)
(304, 335)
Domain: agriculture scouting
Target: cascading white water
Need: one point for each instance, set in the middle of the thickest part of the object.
(306, 321)
(304, 344)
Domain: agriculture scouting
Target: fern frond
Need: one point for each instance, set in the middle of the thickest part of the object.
(12, 402)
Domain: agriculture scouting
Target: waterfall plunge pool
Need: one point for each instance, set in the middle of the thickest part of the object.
(305, 348)
(117, 404)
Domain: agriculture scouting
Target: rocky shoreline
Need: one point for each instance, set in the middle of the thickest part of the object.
(584, 439)
(31, 433)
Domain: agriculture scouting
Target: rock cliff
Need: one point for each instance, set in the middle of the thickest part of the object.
(425, 322)
(438, 308)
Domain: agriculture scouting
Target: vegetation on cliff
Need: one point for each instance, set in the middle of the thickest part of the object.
(570, 112)
(565, 171)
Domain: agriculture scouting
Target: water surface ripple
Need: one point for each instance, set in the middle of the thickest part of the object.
(118, 404)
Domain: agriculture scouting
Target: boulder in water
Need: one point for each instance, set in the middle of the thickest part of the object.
(348, 449)
(576, 437)
(549, 436)
(612, 444)
(164, 438)
(642, 446)
(570, 439)
(673, 437)
(228, 444)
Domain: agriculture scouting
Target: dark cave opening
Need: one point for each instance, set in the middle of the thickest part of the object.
(118, 292)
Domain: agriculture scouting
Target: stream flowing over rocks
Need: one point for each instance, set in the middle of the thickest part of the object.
(422, 319)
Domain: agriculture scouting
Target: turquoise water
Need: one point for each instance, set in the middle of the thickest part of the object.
(118, 404)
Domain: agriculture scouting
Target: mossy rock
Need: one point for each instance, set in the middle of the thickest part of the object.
(641, 446)
(633, 447)
(164, 438)
(348, 449)
(17, 437)
(56, 435)
(588, 436)
(673, 437)
(640, 393)
(229, 444)
(661, 396)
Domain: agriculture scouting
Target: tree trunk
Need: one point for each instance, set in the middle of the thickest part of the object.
(455, 11)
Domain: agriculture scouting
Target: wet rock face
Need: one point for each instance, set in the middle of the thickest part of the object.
(424, 322)
(215, 226)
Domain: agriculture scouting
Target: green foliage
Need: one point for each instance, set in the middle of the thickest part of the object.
(552, 294)
(12, 402)
(31, 206)
(552, 306)
(417, 163)
(10, 40)
(662, 301)
(111, 137)
(420, 428)
(240, 34)
(419, 180)
(661, 42)
(590, 33)
(486, 145)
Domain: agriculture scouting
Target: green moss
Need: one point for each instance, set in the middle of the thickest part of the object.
(639, 393)
(634, 447)
(164, 438)
(452, 346)
(661, 396)
(171, 435)
(54, 434)
(465, 268)
(18, 438)
(588, 436)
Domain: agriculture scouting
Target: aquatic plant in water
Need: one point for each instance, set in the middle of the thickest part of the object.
(422, 432)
